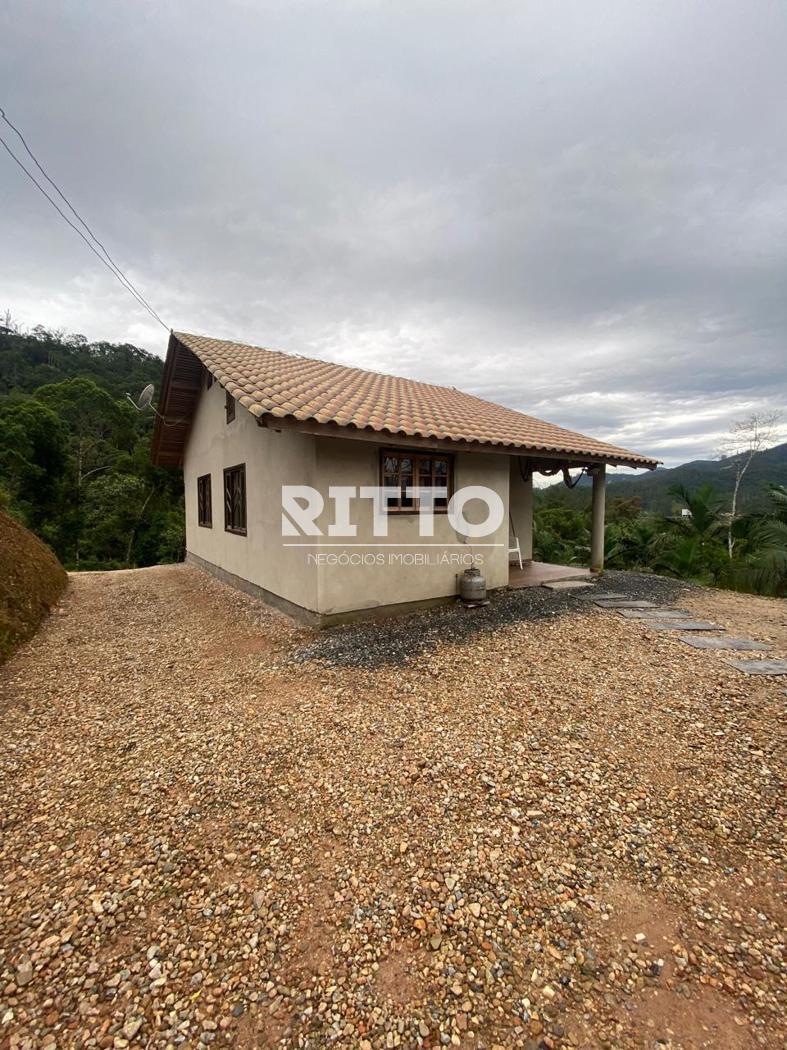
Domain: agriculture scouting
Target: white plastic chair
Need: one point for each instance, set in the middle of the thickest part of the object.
(515, 550)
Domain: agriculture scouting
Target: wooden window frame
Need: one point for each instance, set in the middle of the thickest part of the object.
(204, 506)
(418, 458)
(229, 526)
(229, 406)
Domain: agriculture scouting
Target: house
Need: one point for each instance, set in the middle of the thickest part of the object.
(251, 426)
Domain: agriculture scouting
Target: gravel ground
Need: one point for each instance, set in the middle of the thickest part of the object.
(397, 640)
(744, 615)
(553, 831)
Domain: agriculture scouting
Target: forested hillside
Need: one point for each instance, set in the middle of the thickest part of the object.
(75, 455)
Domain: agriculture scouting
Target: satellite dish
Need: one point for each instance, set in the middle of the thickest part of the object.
(144, 398)
(144, 401)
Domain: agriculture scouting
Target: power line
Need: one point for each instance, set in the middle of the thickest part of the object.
(105, 258)
(132, 288)
(66, 219)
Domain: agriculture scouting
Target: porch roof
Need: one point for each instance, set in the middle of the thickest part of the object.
(275, 386)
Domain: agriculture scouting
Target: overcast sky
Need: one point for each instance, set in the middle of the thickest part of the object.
(576, 209)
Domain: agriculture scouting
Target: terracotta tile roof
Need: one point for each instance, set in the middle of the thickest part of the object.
(281, 385)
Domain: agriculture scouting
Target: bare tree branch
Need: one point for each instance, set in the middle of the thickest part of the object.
(747, 437)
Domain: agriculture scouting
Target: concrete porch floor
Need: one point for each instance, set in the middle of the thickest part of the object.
(535, 573)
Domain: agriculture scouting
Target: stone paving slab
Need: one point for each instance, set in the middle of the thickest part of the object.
(605, 596)
(567, 585)
(655, 614)
(682, 625)
(723, 643)
(623, 603)
(769, 667)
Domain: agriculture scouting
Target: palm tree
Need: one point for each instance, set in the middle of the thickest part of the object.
(632, 545)
(704, 505)
(691, 548)
(684, 559)
(763, 567)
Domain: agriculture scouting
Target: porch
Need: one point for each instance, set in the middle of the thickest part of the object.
(537, 573)
(520, 520)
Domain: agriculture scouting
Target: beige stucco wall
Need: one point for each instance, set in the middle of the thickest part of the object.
(317, 577)
(343, 587)
(271, 459)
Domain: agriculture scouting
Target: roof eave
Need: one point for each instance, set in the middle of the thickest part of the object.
(383, 435)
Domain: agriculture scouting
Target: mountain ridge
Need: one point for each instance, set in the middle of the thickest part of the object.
(767, 467)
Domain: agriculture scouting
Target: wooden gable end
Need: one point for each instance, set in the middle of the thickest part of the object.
(183, 377)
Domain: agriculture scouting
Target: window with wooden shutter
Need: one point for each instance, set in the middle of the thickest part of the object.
(401, 470)
(229, 406)
(204, 502)
(235, 499)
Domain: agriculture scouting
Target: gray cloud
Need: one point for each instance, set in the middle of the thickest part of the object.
(577, 210)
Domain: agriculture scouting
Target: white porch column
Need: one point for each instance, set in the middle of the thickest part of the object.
(597, 525)
(520, 503)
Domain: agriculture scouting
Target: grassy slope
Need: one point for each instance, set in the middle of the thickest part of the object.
(31, 581)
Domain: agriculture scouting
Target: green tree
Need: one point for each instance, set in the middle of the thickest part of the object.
(100, 429)
(75, 461)
(632, 544)
(111, 511)
(760, 563)
(33, 456)
(684, 558)
(561, 535)
(691, 547)
(704, 504)
(98, 425)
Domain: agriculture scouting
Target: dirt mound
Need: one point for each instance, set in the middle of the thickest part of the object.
(31, 581)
